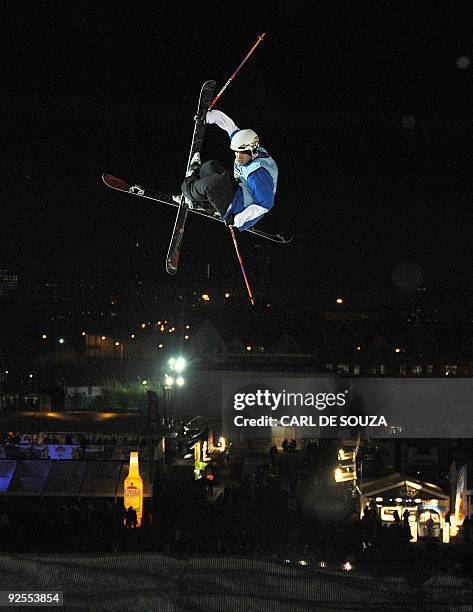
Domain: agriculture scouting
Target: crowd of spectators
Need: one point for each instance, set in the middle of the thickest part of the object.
(82, 446)
(245, 508)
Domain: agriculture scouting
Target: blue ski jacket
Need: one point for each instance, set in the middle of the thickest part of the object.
(257, 180)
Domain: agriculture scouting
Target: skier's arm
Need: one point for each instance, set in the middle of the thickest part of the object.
(222, 120)
(262, 186)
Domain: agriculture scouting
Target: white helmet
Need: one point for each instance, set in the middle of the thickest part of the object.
(245, 140)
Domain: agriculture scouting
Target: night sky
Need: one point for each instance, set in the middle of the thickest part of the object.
(363, 106)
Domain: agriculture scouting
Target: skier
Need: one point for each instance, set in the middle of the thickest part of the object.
(240, 201)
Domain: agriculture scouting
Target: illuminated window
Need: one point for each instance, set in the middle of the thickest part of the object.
(205, 297)
(8, 282)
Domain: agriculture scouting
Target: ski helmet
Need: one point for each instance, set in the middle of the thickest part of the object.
(245, 140)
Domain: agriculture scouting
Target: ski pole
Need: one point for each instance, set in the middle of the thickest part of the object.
(260, 38)
(241, 264)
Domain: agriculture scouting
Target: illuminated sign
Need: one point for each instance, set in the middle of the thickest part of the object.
(133, 489)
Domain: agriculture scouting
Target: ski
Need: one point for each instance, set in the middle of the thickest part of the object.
(120, 185)
(205, 99)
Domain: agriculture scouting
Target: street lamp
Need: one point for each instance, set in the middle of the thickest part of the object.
(177, 366)
(167, 394)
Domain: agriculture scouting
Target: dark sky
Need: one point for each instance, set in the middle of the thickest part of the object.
(362, 105)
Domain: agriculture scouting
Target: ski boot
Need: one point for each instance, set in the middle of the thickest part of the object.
(194, 165)
(177, 198)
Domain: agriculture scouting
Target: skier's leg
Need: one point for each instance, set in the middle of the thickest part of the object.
(210, 188)
(194, 187)
(194, 197)
(211, 166)
(220, 186)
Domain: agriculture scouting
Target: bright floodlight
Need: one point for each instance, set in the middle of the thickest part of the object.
(179, 381)
(168, 380)
(178, 364)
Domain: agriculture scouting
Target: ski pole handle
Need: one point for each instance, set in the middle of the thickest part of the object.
(214, 101)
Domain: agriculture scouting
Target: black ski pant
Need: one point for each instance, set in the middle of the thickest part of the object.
(211, 183)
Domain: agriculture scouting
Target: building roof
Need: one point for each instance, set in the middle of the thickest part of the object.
(397, 481)
(75, 422)
(67, 478)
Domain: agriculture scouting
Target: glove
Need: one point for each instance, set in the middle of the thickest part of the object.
(200, 119)
(211, 117)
